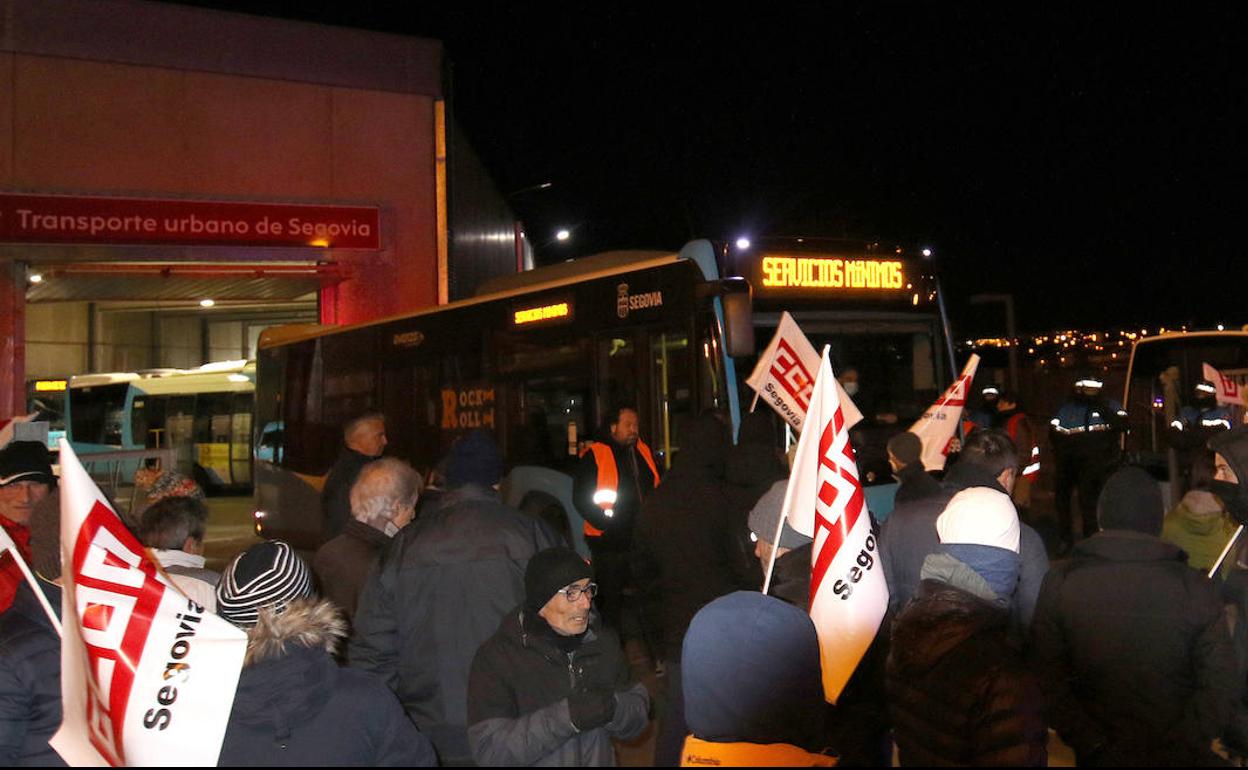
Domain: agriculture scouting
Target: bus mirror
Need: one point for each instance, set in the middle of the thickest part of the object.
(738, 316)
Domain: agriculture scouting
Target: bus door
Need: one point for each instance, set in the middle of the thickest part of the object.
(545, 386)
(240, 438)
(651, 368)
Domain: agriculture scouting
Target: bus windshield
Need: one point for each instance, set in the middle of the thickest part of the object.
(98, 414)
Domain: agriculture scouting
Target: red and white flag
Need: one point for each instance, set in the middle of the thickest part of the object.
(939, 423)
(147, 675)
(785, 376)
(1228, 390)
(824, 501)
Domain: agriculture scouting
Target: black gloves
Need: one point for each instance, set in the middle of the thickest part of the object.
(591, 708)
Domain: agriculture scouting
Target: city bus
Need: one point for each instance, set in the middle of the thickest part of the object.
(878, 308)
(1161, 379)
(204, 413)
(538, 359)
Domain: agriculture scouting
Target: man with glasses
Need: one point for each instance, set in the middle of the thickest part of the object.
(551, 687)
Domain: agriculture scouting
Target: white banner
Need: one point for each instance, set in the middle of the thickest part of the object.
(147, 676)
(1228, 390)
(939, 423)
(824, 500)
(785, 376)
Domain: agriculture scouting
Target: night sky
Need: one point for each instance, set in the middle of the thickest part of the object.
(1088, 160)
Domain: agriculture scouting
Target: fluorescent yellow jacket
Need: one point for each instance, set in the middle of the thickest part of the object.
(700, 753)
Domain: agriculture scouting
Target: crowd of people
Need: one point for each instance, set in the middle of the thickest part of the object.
(461, 631)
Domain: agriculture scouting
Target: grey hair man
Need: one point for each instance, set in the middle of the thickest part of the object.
(174, 529)
(383, 501)
(364, 440)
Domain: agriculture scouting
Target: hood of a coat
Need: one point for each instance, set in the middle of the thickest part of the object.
(1199, 512)
(939, 619)
(750, 665)
(288, 671)
(314, 623)
(1127, 546)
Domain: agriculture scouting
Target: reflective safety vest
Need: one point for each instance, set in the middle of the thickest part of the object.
(1032, 471)
(1212, 418)
(700, 753)
(607, 491)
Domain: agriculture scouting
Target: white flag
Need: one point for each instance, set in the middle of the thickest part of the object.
(147, 675)
(1228, 390)
(785, 376)
(824, 501)
(939, 423)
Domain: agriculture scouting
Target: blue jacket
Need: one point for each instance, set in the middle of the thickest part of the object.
(30, 681)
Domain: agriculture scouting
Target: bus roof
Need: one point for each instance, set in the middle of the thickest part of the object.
(540, 279)
(177, 380)
(1172, 336)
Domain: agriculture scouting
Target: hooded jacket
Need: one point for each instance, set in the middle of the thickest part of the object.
(686, 553)
(518, 698)
(30, 680)
(1199, 525)
(959, 692)
(295, 707)
(731, 694)
(439, 590)
(1133, 653)
(909, 535)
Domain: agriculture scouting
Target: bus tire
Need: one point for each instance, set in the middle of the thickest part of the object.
(543, 507)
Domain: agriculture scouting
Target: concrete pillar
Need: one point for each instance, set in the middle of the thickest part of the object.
(12, 339)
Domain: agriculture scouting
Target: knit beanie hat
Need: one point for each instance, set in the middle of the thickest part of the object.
(266, 575)
(173, 484)
(550, 570)
(25, 461)
(766, 514)
(906, 447)
(1131, 500)
(474, 459)
(980, 516)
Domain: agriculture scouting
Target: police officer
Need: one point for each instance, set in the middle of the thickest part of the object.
(613, 477)
(1085, 437)
(986, 415)
(1195, 424)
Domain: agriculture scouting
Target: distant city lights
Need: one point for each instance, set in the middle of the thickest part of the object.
(1063, 346)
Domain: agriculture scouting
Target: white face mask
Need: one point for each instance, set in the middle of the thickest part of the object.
(851, 387)
(391, 529)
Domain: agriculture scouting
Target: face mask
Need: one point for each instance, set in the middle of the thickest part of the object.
(851, 388)
(390, 529)
(1235, 503)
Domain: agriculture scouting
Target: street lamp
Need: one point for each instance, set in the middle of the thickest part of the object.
(563, 235)
(743, 243)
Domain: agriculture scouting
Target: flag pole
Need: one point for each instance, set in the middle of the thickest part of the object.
(775, 546)
(1229, 545)
(7, 544)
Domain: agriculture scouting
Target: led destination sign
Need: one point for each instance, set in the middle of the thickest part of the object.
(554, 312)
(808, 272)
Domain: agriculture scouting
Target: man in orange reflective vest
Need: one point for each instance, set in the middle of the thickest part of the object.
(613, 477)
(1014, 419)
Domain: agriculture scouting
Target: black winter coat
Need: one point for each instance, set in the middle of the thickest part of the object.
(30, 680)
(295, 707)
(909, 535)
(915, 483)
(685, 553)
(336, 494)
(440, 589)
(1134, 653)
(518, 697)
(636, 483)
(959, 693)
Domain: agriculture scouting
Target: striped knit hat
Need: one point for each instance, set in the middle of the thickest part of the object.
(266, 575)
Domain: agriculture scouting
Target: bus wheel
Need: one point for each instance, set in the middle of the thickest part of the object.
(545, 508)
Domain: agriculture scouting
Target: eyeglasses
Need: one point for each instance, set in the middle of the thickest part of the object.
(574, 593)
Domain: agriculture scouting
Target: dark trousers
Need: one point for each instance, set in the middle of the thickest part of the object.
(1078, 476)
(670, 741)
(612, 574)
